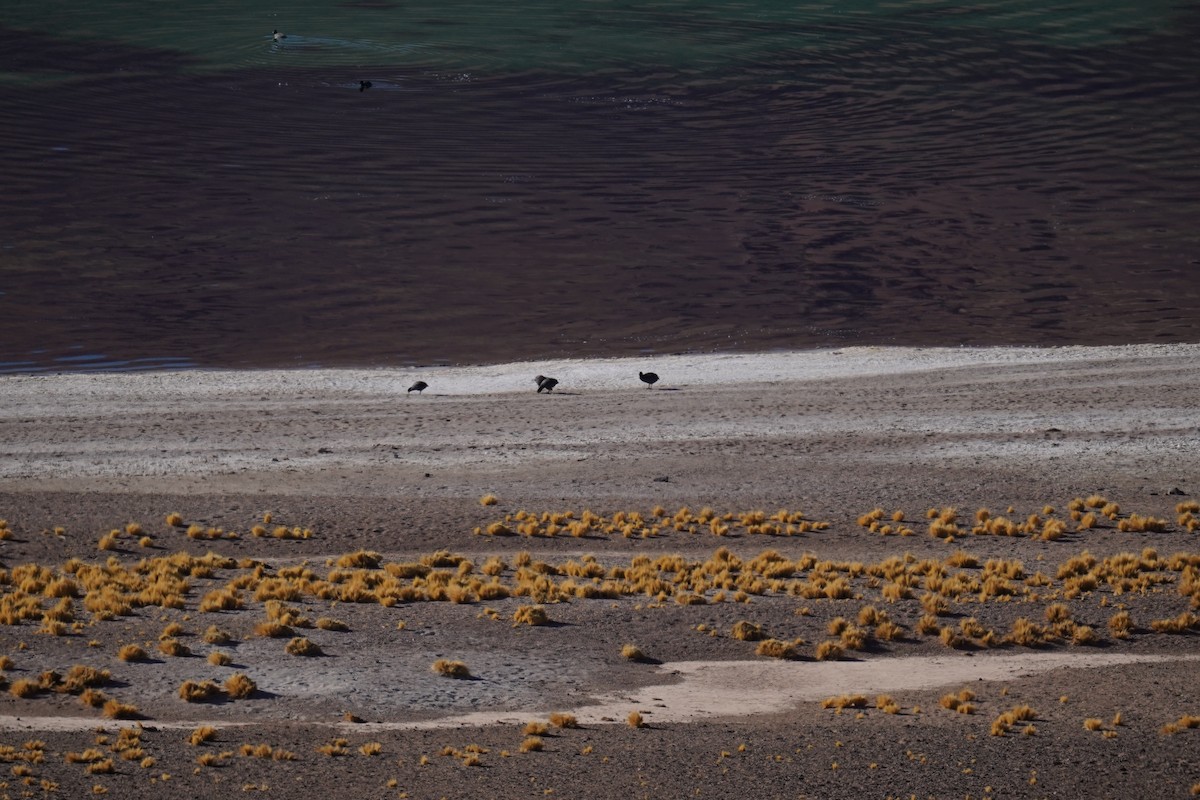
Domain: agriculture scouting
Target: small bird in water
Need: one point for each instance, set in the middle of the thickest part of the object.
(545, 383)
(648, 378)
(418, 387)
(277, 35)
(364, 85)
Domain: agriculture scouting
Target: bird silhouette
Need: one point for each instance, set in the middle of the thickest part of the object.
(418, 387)
(277, 35)
(364, 85)
(546, 384)
(648, 378)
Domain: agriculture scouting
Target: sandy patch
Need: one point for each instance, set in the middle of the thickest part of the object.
(702, 689)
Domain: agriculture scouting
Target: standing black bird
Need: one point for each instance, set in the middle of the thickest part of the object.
(546, 384)
(648, 378)
(418, 387)
(364, 85)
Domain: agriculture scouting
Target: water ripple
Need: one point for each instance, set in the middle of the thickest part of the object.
(927, 173)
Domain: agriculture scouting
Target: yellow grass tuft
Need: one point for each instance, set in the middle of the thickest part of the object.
(829, 650)
(774, 648)
(1005, 722)
(532, 744)
(198, 691)
(633, 653)
(560, 720)
(114, 709)
(1183, 723)
(841, 701)
(239, 686)
(173, 647)
(302, 646)
(175, 519)
(635, 720)
(329, 624)
(451, 669)
(530, 615)
(489, 500)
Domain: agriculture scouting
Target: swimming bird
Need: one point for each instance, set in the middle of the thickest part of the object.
(277, 35)
(364, 85)
(545, 383)
(648, 378)
(418, 387)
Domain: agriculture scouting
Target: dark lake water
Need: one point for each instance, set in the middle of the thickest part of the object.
(547, 179)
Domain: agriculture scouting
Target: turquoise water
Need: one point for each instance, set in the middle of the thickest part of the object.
(538, 179)
(576, 37)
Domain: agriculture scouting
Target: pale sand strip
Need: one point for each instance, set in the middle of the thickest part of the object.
(281, 426)
(713, 689)
(30, 392)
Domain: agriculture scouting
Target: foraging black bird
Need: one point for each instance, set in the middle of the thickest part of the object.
(648, 378)
(364, 85)
(418, 387)
(277, 35)
(545, 383)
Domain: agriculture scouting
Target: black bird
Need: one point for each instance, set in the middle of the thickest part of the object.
(418, 387)
(364, 85)
(278, 35)
(546, 384)
(648, 378)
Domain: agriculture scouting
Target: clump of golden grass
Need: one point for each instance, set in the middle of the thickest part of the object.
(24, 688)
(1026, 633)
(198, 691)
(633, 653)
(361, 559)
(842, 701)
(530, 615)
(561, 720)
(532, 744)
(80, 677)
(273, 629)
(173, 647)
(219, 659)
(829, 650)
(1120, 625)
(1140, 524)
(371, 748)
(338, 747)
(104, 767)
(132, 653)
(1183, 723)
(86, 757)
(960, 701)
(1004, 723)
(114, 709)
(451, 669)
(330, 624)
(1183, 623)
(774, 648)
(887, 704)
(489, 500)
(635, 720)
(205, 733)
(175, 519)
(535, 728)
(302, 646)
(1093, 724)
(747, 631)
(239, 686)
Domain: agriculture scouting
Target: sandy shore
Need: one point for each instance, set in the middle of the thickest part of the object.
(347, 460)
